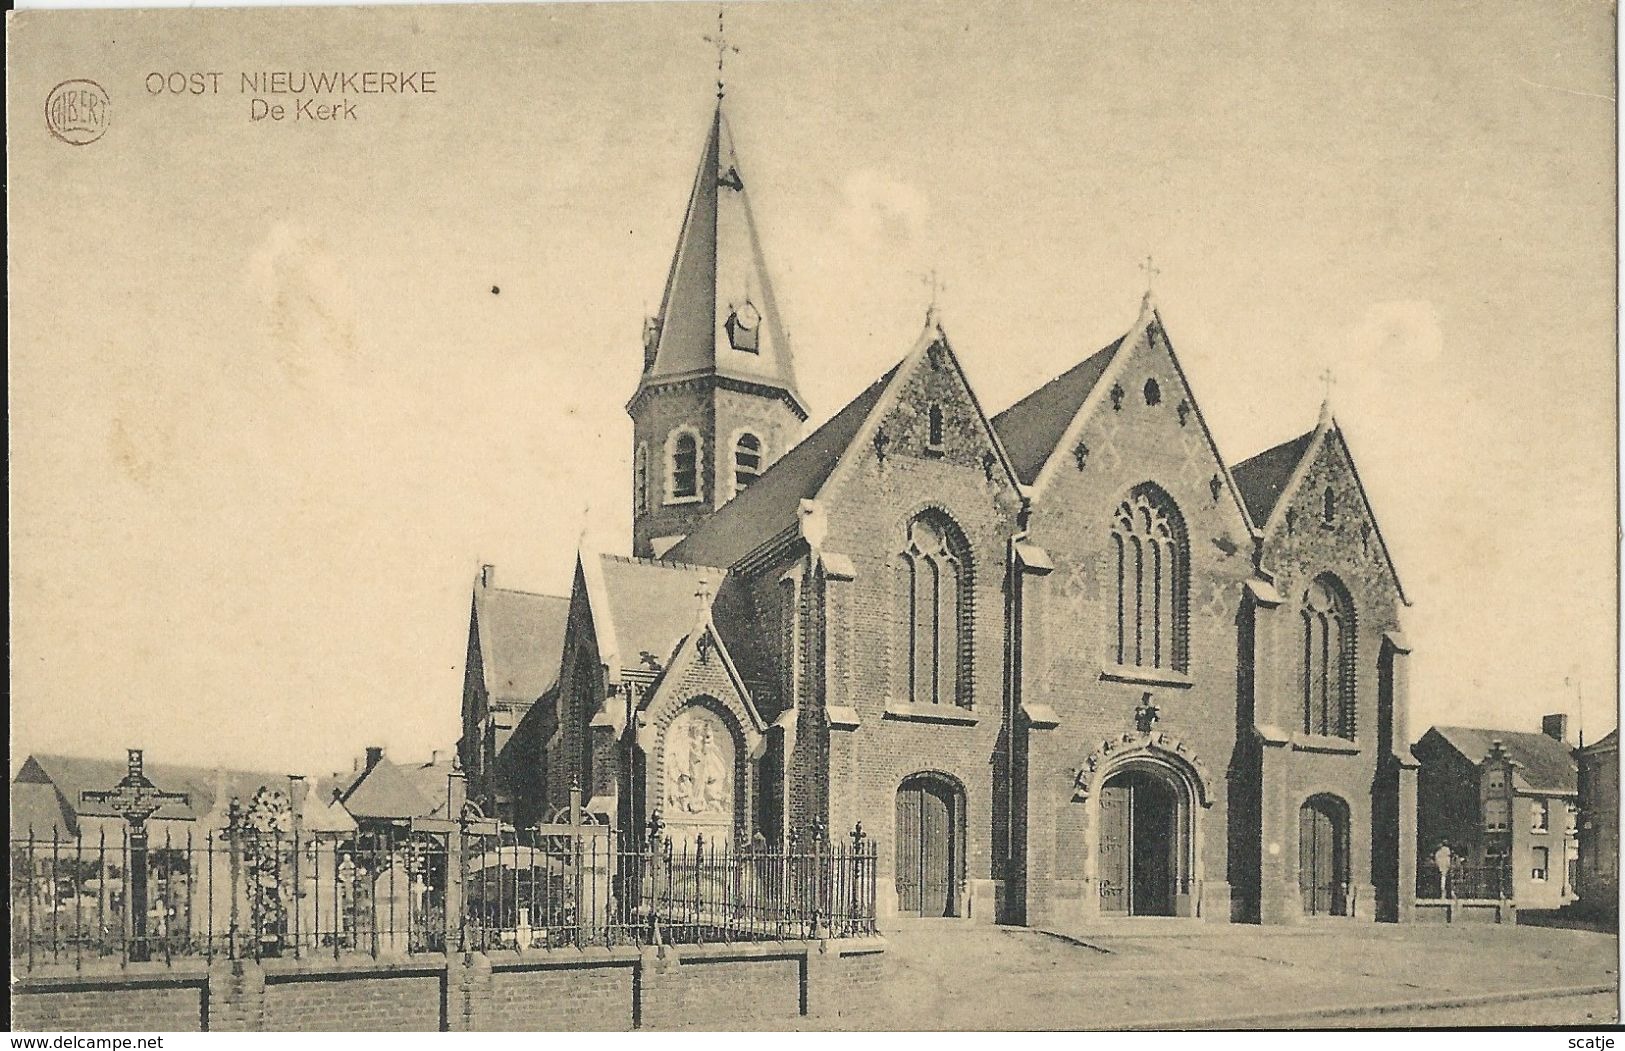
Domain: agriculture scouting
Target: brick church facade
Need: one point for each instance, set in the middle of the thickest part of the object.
(1063, 662)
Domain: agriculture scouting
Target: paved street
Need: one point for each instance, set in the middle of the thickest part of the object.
(1173, 974)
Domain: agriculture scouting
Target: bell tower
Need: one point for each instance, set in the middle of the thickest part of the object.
(717, 401)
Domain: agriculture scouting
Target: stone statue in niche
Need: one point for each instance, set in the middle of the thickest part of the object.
(699, 767)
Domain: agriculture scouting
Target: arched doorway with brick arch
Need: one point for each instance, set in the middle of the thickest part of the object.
(1323, 855)
(930, 841)
(1145, 796)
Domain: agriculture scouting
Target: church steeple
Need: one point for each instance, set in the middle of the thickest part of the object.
(718, 315)
(717, 400)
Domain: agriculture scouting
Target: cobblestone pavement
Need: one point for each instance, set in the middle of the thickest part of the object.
(948, 975)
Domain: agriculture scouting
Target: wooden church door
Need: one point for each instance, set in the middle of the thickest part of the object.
(925, 824)
(1114, 848)
(1320, 860)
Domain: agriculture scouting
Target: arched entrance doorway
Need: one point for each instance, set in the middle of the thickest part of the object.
(1323, 856)
(929, 811)
(1140, 843)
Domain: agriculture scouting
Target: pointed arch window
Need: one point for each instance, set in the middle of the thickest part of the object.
(1148, 539)
(1328, 659)
(683, 466)
(747, 461)
(934, 427)
(936, 580)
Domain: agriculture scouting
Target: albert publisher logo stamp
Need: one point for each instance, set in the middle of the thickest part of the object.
(77, 112)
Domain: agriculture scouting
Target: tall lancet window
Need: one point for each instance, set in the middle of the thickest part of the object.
(683, 466)
(747, 461)
(1328, 659)
(1148, 541)
(936, 581)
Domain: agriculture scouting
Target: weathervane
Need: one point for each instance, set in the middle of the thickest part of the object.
(720, 42)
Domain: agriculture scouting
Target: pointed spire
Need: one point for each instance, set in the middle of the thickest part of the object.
(718, 316)
(1325, 419)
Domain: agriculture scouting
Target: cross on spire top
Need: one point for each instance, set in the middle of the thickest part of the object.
(935, 286)
(720, 42)
(1151, 272)
(1327, 380)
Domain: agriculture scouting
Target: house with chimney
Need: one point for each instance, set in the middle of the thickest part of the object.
(1501, 799)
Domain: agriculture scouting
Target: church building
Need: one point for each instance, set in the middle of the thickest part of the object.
(1063, 663)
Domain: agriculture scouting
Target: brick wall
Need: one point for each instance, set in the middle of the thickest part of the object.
(352, 1003)
(165, 1008)
(527, 999)
(761, 985)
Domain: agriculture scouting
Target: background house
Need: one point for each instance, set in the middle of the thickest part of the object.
(1501, 797)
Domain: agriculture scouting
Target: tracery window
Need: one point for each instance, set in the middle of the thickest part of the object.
(1328, 659)
(936, 579)
(747, 461)
(1148, 536)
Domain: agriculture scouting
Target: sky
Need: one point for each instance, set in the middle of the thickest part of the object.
(278, 389)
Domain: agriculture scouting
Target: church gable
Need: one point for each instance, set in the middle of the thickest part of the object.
(1141, 423)
(1323, 522)
(928, 414)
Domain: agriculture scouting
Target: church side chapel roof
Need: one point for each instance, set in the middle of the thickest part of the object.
(1032, 427)
(1542, 762)
(773, 501)
(718, 315)
(1264, 477)
(521, 641)
(652, 605)
(68, 776)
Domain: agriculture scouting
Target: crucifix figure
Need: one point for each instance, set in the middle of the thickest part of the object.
(135, 799)
(1146, 715)
(720, 42)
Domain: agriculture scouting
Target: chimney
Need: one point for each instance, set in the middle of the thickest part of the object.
(1556, 727)
(488, 575)
(375, 755)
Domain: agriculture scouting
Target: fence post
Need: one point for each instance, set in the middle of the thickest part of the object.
(234, 819)
(820, 900)
(456, 931)
(656, 870)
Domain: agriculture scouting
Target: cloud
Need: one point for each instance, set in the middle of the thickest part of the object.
(883, 212)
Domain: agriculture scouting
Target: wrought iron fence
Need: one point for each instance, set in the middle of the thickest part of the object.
(251, 892)
(1484, 882)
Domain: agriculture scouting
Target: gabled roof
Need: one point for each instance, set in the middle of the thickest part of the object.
(430, 781)
(1542, 763)
(1607, 741)
(72, 775)
(38, 812)
(1262, 478)
(718, 269)
(385, 792)
(651, 605)
(773, 501)
(521, 640)
(1033, 426)
(1275, 474)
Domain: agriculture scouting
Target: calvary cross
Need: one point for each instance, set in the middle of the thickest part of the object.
(135, 799)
